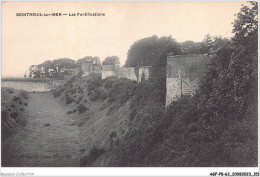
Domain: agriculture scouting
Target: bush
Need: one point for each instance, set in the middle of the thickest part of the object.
(68, 98)
(119, 90)
(24, 94)
(102, 107)
(96, 94)
(16, 98)
(73, 91)
(10, 91)
(69, 112)
(72, 79)
(57, 92)
(93, 154)
(81, 108)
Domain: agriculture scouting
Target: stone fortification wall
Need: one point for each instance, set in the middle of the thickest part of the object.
(87, 68)
(183, 74)
(108, 70)
(132, 73)
(127, 72)
(90, 68)
(143, 73)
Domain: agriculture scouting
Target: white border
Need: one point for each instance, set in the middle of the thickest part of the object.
(131, 171)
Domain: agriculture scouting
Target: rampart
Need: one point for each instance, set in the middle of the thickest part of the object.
(108, 70)
(33, 85)
(89, 68)
(183, 75)
(127, 72)
(133, 73)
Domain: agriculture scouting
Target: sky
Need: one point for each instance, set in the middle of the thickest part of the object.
(32, 40)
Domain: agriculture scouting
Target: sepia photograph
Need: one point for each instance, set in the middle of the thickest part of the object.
(130, 84)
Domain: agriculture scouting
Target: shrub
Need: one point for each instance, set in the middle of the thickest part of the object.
(10, 91)
(102, 107)
(112, 134)
(96, 94)
(24, 94)
(16, 98)
(93, 154)
(14, 114)
(81, 108)
(119, 90)
(68, 98)
(93, 82)
(57, 92)
(72, 79)
(69, 112)
(73, 91)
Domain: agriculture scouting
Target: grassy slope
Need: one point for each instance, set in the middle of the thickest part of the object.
(102, 121)
(13, 104)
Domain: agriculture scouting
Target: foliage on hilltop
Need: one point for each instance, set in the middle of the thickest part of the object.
(111, 60)
(143, 52)
(146, 51)
(58, 68)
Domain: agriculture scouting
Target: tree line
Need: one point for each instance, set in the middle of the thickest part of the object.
(58, 68)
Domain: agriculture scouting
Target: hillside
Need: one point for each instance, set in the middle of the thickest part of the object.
(14, 103)
(101, 109)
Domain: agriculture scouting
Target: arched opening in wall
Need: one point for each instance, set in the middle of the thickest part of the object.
(143, 77)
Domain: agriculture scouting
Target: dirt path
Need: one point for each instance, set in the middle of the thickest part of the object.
(50, 140)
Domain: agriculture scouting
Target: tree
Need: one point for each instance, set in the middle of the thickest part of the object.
(111, 60)
(246, 25)
(88, 59)
(214, 43)
(52, 69)
(190, 47)
(143, 52)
